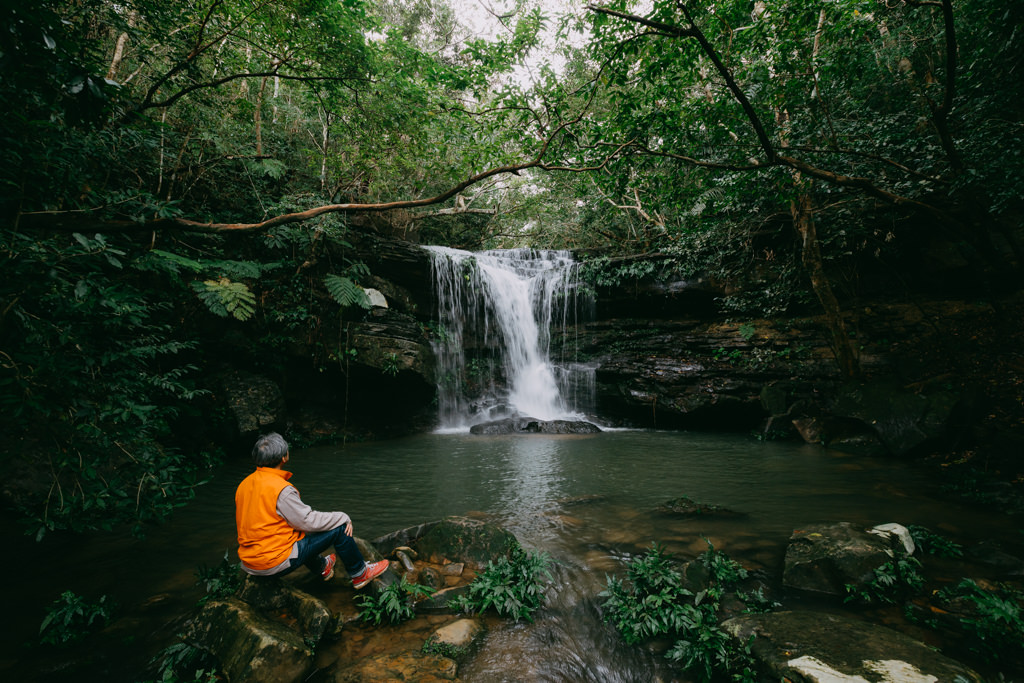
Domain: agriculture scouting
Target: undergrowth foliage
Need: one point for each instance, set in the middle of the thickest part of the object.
(655, 601)
(93, 376)
(890, 583)
(101, 343)
(994, 629)
(513, 586)
(393, 604)
(72, 617)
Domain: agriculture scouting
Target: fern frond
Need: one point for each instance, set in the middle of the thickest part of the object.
(346, 292)
(226, 298)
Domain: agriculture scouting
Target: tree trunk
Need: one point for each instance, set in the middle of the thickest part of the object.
(842, 346)
(258, 117)
(122, 41)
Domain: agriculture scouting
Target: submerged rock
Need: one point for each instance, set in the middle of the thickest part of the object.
(529, 425)
(685, 507)
(812, 646)
(405, 666)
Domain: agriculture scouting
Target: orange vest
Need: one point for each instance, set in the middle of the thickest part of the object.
(265, 539)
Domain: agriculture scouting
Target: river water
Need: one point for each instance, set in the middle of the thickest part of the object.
(588, 501)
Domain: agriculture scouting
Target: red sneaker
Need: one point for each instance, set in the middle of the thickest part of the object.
(328, 571)
(372, 571)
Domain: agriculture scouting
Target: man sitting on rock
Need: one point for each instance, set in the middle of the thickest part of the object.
(277, 532)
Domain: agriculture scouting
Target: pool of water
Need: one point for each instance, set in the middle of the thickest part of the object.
(589, 501)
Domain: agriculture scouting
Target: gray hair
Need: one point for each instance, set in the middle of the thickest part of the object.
(269, 450)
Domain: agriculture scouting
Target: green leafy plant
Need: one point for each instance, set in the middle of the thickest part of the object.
(706, 651)
(725, 571)
(220, 581)
(891, 582)
(390, 365)
(226, 298)
(514, 586)
(184, 663)
(995, 626)
(392, 604)
(345, 291)
(654, 602)
(72, 617)
(729, 356)
(757, 602)
(934, 544)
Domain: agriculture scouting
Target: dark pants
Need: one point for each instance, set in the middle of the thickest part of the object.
(312, 544)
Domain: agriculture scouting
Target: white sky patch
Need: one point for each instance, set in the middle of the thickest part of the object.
(489, 19)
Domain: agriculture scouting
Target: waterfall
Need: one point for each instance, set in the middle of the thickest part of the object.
(497, 312)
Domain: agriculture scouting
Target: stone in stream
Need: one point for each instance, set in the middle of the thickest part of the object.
(457, 639)
(530, 425)
(685, 507)
(825, 558)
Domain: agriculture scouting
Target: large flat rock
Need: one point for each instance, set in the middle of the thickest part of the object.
(807, 647)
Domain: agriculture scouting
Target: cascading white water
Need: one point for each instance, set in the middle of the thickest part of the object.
(496, 312)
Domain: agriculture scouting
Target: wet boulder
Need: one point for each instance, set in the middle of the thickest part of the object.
(457, 639)
(453, 539)
(905, 419)
(530, 425)
(825, 558)
(312, 617)
(247, 645)
(256, 402)
(460, 539)
(812, 646)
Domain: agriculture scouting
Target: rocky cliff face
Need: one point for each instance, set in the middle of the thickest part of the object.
(665, 357)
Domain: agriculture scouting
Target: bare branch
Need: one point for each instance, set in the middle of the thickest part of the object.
(234, 77)
(661, 27)
(692, 31)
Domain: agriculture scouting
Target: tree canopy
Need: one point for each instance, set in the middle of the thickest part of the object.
(167, 158)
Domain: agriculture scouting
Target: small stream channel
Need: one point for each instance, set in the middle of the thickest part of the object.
(588, 501)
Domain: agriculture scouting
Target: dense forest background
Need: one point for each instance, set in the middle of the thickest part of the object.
(173, 169)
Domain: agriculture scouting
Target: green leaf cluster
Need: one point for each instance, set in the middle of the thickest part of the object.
(513, 586)
(995, 620)
(890, 583)
(392, 604)
(654, 601)
(93, 377)
(934, 544)
(220, 581)
(72, 617)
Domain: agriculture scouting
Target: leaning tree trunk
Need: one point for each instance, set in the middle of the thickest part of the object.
(842, 346)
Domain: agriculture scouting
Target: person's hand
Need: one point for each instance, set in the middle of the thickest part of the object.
(348, 528)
